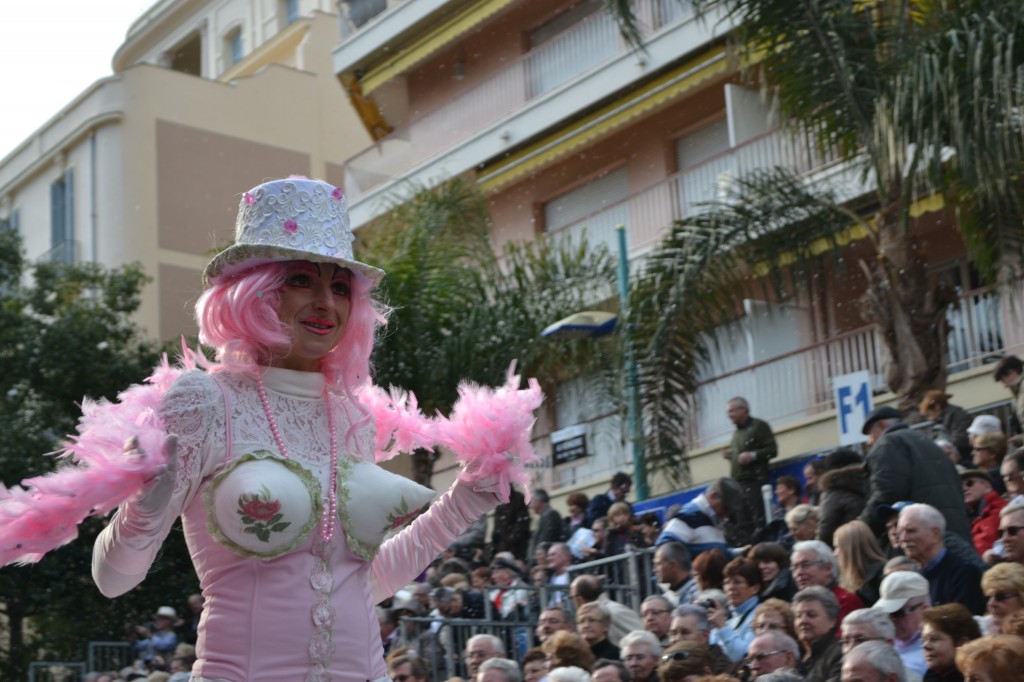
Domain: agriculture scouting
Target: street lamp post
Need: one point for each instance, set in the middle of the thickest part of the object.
(636, 435)
(595, 323)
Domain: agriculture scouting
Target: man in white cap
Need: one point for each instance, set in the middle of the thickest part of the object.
(983, 423)
(905, 596)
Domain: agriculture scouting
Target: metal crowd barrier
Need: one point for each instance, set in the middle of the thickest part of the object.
(441, 642)
(56, 671)
(109, 656)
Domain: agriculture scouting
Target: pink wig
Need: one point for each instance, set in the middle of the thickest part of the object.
(237, 316)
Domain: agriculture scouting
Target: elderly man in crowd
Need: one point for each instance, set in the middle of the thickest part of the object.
(905, 596)
(482, 648)
(589, 588)
(772, 651)
(641, 652)
(551, 620)
(873, 662)
(690, 624)
(673, 569)
(907, 465)
(816, 617)
(813, 563)
(867, 625)
(657, 614)
(499, 670)
(559, 561)
(920, 529)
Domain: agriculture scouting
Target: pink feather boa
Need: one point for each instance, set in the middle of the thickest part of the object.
(44, 512)
(488, 430)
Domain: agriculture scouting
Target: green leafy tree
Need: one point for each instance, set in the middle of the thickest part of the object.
(67, 336)
(464, 312)
(915, 98)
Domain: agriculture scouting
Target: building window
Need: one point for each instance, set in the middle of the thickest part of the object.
(360, 12)
(62, 219)
(10, 222)
(233, 47)
(594, 210)
(291, 11)
(706, 170)
(187, 57)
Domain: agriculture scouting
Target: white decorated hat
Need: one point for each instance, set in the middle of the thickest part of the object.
(292, 219)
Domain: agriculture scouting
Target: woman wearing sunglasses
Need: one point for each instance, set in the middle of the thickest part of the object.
(1003, 585)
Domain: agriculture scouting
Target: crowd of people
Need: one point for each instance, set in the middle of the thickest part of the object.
(902, 564)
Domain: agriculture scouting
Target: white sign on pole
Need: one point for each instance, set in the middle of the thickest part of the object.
(852, 393)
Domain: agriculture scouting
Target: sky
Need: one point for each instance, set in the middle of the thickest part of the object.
(52, 50)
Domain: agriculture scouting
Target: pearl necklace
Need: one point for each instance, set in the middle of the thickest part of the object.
(327, 527)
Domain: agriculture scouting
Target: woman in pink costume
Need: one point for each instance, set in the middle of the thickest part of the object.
(270, 459)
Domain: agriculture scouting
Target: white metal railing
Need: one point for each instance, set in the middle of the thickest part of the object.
(797, 384)
(577, 50)
(354, 14)
(975, 329)
(648, 213)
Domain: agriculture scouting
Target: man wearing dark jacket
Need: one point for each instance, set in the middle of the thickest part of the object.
(752, 448)
(907, 465)
(600, 504)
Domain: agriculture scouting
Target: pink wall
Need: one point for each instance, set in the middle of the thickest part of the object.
(646, 148)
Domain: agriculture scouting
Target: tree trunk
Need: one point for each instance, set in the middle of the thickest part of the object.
(423, 465)
(15, 665)
(909, 307)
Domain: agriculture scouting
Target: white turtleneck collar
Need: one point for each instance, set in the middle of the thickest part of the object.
(293, 383)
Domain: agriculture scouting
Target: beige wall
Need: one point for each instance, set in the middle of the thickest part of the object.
(172, 154)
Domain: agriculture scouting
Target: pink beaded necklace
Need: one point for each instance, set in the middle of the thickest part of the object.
(327, 527)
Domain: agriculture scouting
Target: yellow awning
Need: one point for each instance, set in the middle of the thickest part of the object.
(430, 43)
(668, 87)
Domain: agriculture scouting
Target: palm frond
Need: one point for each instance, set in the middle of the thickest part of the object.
(772, 235)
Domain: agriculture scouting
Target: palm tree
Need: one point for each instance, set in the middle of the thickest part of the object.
(919, 97)
(461, 312)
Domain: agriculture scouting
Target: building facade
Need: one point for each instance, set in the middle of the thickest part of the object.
(208, 98)
(569, 131)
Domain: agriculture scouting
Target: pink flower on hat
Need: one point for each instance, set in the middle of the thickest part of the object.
(290, 226)
(336, 194)
(249, 198)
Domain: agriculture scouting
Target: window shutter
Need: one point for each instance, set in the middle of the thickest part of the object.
(69, 210)
(589, 198)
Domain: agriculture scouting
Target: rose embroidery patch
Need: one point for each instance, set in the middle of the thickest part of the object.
(401, 515)
(261, 514)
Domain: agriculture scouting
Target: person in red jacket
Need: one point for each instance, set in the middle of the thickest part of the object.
(984, 505)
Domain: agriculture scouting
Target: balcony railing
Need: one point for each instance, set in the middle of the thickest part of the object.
(648, 214)
(798, 384)
(578, 49)
(354, 14)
